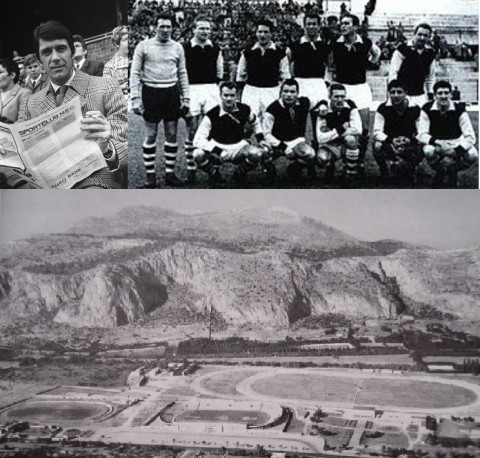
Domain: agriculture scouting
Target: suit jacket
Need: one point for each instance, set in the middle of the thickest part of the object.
(9, 108)
(92, 67)
(104, 95)
(43, 82)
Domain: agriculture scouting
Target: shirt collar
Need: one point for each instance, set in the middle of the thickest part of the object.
(411, 44)
(270, 46)
(341, 39)
(56, 87)
(388, 103)
(223, 112)
(280, 101)
(79, 64)
(305, 39)
(202, 45)
(435, 106)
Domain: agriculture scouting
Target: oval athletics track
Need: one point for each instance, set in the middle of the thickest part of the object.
(348, 389)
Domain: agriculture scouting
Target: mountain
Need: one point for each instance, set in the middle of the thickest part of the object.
(248, 266)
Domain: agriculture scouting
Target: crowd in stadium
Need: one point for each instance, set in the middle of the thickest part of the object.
(287, 64)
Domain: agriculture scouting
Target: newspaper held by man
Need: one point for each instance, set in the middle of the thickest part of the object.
(51, 148)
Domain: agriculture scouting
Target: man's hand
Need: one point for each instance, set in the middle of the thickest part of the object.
(266, 147)
(137, 106)
(185, 108)
(96, 127)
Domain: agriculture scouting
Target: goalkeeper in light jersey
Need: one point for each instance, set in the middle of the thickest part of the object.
(395, 145)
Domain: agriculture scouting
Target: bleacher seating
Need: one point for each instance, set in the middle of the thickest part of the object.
(461, 28)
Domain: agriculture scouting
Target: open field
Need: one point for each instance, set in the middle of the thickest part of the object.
(253, 417)
(397, 393)
(225, 382)
(55, 412)
(395, 440)
(136, 172)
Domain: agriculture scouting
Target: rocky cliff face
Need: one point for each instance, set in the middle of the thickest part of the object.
(273, 285)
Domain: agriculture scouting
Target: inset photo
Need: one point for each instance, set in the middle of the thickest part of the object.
(64, 94)
(297, 94)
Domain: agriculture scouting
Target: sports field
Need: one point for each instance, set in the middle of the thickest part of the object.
(55, 412)
(363, 391)
(225, 382)
(254, 417)
(136, 172)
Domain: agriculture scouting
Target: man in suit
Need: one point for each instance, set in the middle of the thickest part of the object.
(91, 67)
(36, 79)
(103, 105)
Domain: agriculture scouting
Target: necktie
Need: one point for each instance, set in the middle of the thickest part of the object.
(60, 95)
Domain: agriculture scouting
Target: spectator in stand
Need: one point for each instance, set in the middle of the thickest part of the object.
(37, 78)
(117, 66)
(11, 93)
(90, 67)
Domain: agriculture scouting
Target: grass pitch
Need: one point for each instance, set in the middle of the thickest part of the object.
(396, 393)
(56, 412)
(254, 417)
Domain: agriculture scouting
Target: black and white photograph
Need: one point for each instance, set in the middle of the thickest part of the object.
(261, 323)
(303, 94)
(64, 94)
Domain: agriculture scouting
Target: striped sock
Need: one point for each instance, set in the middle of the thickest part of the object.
(149, 156)
(189, 154)
(170, 156)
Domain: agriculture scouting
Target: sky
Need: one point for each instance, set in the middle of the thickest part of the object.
(443, 219)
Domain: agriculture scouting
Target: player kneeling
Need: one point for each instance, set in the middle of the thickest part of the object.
(220, 138)
(447, 135)
(395, 145)
(285, 122)
(338, 129)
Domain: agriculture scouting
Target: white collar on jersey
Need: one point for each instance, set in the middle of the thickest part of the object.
(305, 39)
(202, 45)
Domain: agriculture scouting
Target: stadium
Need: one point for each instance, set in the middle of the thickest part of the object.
(455, 40)
(219, 416)
(343, 389)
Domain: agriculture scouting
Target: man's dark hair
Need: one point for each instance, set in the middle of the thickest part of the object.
(49, 31)
(81, 40)
(423, 25)
(290, 82)
(355, 20)
(165, 17)
(442, 85)
(266, 23)
(337, 87)
(311, 16)
(30, 59)
(228, 85)
(396, 84)
(11, 67)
